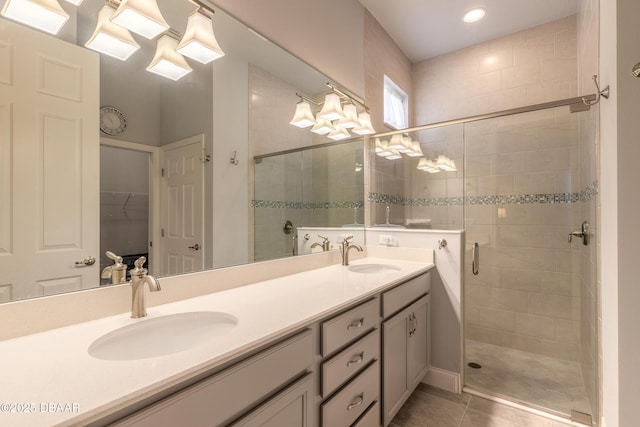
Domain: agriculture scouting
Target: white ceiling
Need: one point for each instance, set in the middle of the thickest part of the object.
(428, 28)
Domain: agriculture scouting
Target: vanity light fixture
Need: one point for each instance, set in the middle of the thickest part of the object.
(303, 117)
(416, 150)
(474, 15)
(382, 148)
(338, 133)
(45, 15)
(350, 120)
(167, 62)
(75, 2)
(396, 142)
(427, 165)
(395, 155)
(365, 128)
(199, 43)
(322, 126)
(332, 108)
(445, 163)
(143, 17)
(111, 39)
(333, 119)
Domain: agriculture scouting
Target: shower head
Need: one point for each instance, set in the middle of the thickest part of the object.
(636, 70)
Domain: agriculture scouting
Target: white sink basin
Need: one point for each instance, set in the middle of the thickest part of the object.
(373, 268)
(162, 335)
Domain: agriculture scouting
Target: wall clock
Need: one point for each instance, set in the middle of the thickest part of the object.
(112, 121)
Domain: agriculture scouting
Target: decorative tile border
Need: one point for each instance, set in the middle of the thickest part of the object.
(585, 195)
(274, 204)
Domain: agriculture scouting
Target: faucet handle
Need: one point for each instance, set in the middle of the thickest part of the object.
(324, 238)
(347, 238)
(139, 269)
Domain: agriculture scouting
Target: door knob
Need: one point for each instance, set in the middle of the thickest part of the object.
(195, 247)
(87, 261)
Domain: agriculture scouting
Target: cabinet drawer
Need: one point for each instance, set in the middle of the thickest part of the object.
(226, 395)
(345, 364)
(348, 326)
(404, 294)
(371, 418)
(346, 406)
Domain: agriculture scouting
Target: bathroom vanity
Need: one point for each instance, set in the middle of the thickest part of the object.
(334, 346)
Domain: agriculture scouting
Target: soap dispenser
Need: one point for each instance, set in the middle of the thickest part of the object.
(117, 272)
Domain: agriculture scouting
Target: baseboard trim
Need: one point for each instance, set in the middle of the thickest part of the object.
(441, 378)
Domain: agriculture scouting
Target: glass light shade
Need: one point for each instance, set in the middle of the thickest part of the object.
(331, 110)
(45, 15)
(416, 151)
(444, 163)
(140, 16)
(339, 133)
(199, 43)
(365, 128)
(111, 39)
(75, 2)
(351, 117)
(394, 155)
(407, 145)
(322, 126)
(167, 62)
(427, 166)
(396, 142)
(382, 148)
(303, 117)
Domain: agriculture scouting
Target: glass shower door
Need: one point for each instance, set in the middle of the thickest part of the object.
(529, 306)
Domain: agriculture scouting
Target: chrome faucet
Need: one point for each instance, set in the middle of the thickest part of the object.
(138, 279)
(345, 247)
(325, 244)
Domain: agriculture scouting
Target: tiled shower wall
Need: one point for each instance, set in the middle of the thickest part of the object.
(521, 182)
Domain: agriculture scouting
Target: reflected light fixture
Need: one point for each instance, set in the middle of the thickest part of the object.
(111, 39)
(382, 148)
(416, 150)
(199, 43)
(396, 142)
(474, 15)
(303, 117)
(351, 117)
(427, 165)
(332, 109)
(140, 16)
(365, 128)
(445, 163)
(322, 126)
(395, 155)
(167, 62)
(45, 15)
(338, 133)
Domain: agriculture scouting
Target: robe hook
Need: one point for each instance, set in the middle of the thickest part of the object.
(604, 93)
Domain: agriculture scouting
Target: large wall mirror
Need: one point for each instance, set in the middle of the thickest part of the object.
(171, 175)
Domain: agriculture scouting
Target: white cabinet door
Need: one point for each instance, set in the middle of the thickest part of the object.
(291, 408)
(49, 158)
(418, 345)
(394, 358)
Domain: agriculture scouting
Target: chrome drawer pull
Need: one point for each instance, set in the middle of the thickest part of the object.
(357, 360)
(357, 324)
(358, 402)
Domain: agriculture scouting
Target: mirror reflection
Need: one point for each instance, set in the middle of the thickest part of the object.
(165, 170)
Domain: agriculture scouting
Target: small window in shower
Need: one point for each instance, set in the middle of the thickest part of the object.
(396, 105)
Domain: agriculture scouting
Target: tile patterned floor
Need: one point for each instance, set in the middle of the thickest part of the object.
(431, 407)
(546, 382)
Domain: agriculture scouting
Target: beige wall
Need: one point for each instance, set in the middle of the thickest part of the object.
(328, 35)
(524, 68)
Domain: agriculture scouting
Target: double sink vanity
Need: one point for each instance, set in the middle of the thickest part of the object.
(331, 346)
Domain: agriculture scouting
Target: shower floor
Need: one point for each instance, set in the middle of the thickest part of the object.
(532, 379)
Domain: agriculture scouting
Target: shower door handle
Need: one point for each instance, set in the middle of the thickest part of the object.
(475, 264)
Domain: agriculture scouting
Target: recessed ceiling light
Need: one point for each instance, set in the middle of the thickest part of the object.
(474, 15)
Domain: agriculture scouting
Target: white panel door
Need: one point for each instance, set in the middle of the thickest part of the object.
(49, 146)
(182, 206)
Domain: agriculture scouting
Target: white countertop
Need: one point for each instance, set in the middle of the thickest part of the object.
(54, 367)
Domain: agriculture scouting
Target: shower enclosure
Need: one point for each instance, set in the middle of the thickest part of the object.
(524, 181)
